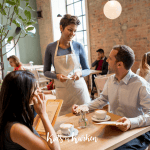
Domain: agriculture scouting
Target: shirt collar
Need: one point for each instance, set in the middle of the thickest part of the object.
(103, 58)
(126, 78)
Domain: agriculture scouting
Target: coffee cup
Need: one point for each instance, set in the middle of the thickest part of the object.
(100, 114)
(66, 128)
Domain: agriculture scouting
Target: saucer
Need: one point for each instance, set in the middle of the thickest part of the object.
(99, 120)
(73, 134)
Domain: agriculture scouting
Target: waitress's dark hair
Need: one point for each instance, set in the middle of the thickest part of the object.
(69, 19)
(16, 93)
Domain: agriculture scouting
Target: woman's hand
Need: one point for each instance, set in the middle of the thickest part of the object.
(38, 89)
(61, 77)
(77, 75)
(39, 103)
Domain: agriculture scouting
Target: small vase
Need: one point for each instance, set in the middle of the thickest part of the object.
(83, 121)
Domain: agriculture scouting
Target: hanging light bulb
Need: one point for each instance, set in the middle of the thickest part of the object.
(112, 9)
(59, 15)
(58, 18)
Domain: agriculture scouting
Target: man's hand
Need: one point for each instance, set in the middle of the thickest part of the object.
(123, 124)
(98, 58)
(74, 107)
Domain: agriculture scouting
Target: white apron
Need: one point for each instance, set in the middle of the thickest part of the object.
(71, 92)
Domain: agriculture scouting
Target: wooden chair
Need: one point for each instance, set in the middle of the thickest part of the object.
(100, 82)
(41, 80)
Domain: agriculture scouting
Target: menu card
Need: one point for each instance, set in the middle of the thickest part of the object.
(113, 123)
(52, 108)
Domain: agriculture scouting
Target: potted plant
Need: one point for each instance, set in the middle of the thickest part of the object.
(12, 13)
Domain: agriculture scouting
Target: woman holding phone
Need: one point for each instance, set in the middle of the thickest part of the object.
(18, 93)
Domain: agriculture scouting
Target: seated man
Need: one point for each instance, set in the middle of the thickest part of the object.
(100, 64)
(128, 95)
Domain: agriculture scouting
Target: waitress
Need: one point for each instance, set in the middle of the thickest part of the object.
(70, 62)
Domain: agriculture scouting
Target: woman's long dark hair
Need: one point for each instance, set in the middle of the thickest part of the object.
(15, 96)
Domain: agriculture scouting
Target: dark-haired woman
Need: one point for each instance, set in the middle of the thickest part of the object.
(68, 57)
(144, 70)
(18, 92)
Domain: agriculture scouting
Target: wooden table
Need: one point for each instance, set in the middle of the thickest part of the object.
(90, 76)
(107, 137)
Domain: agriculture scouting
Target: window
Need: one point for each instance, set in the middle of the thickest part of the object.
(8, 47)
(77, 8)
(58, 7)
(14, 51)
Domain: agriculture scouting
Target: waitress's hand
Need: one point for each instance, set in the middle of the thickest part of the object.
(61, 77)
(39, 101)
(77, 75)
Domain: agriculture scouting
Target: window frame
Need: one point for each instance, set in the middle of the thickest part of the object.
(16, 49)
(87, 25)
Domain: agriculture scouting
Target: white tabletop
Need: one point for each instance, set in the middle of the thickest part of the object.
(33, 67)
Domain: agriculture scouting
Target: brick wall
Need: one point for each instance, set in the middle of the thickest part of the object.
(45, 25)
(132, 28)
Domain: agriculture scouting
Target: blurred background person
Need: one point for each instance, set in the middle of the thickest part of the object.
(144, 70)
(15, 62)
(99, 64)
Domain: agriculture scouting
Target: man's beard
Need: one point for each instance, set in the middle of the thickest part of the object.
(110, 71)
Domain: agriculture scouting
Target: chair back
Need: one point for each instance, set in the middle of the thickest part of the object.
(100, 82)
(35, 72)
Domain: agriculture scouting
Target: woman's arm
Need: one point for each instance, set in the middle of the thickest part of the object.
(84, 62)
(47, 66)
(48, 63)
(22, 135)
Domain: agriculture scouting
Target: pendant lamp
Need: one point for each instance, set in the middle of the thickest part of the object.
(112, 9)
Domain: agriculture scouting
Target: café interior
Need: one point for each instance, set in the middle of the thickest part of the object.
(103, 24)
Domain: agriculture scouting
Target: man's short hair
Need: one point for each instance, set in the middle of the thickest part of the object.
(100, 51)
(125, 54)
